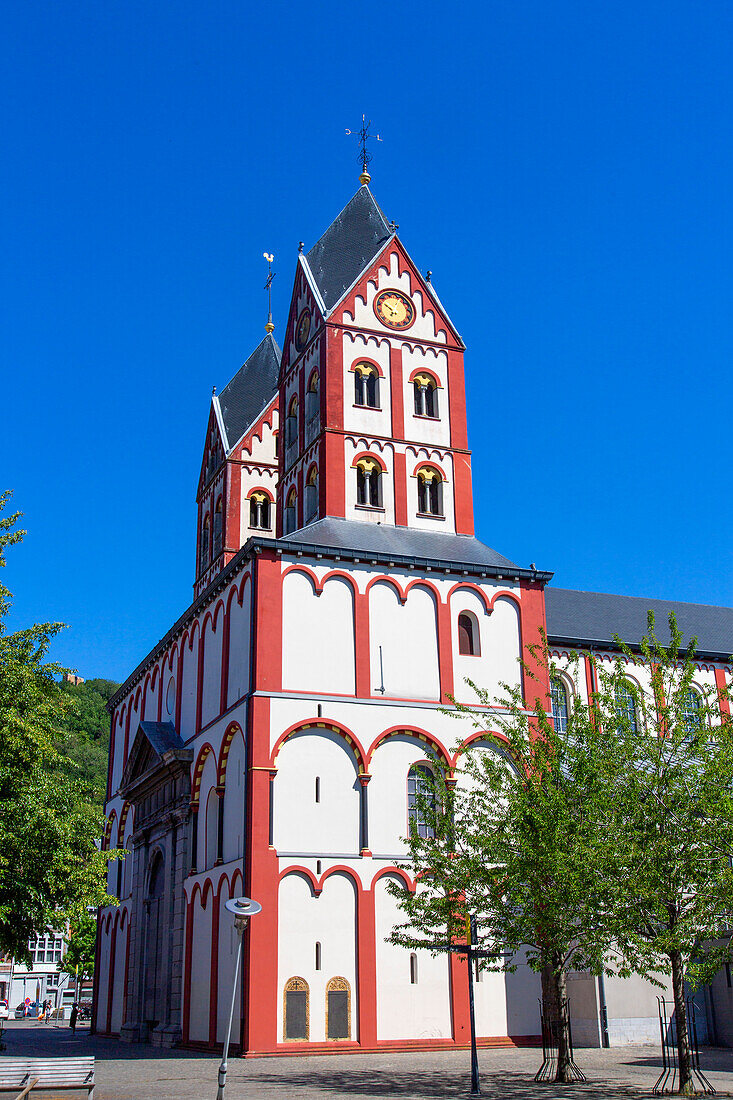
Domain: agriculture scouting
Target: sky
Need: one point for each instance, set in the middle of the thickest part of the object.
(563, 169)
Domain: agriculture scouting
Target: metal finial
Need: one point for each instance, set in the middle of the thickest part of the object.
(301, 246)
(364, 155)
(269, 327)
(213, 391)
(429, 277)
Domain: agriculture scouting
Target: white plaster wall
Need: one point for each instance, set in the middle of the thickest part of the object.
(300, 823)
(239, 639)
(406, 1011)
(523, 989)
(151, 701)
(208, 780)
(329, 919)
(421, 457)
(119, 979)
(213, 638)
(201, 971)
(228, 944)
(359, 445)
(318, 635)
(500, 640)
(128, 860)
(427, 324)
(357, 418)
(103, 989)
(408, 636)
(489, 996)
(387, 789)
(262, 443)
(421, 428)
(234, 801)
(500, 645)
(188, 688)
(212, 827)
(119, 751)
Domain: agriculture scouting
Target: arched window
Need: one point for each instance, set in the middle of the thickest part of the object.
(259, 510)
(296, 1010)
(559, 698)
(425, 389)
(413, 968)
(420, 787)
(291, 423)
(626, 707)
(338, 1009)
(311, 495)
(366, 385)
(469, 643)
(289, 517)
(368, 483)
(311, 399)
(429, 492)
(212, 828)
(205, 543)
(217, 529)
(692, 710)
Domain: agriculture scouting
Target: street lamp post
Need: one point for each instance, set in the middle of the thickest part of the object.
(243, 909)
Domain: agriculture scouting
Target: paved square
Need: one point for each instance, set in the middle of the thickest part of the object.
(138, 1072)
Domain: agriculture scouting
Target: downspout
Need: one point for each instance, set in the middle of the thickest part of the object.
(603, 1010)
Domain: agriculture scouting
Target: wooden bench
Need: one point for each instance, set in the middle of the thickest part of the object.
(26, 1076)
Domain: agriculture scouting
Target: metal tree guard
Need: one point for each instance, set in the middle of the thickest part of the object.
(551, 1029)
(667, 1079)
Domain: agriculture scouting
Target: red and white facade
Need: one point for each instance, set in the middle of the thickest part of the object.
(264, 746)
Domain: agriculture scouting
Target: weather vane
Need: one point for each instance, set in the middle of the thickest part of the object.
(269, 327)
(364, 155)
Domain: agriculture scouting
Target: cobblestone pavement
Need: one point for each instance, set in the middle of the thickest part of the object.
(138, 1072)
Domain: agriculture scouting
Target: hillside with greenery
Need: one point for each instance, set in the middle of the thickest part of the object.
(83, 740)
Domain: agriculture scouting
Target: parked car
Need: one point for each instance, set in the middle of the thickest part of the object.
(24, 1009)
(4, 1010)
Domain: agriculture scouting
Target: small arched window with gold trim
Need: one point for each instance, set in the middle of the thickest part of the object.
(205, 544)
(338, 1009)
(425, 389)
(296, 1010)
(291, 422)
(311, 398)
(289, 516)
(368, 483)
(429, 492)
(366, 385)
(259, 510)
(469, 644)
(311, 495)
(218, 529)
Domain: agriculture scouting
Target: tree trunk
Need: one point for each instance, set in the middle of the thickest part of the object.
(554, 996)
(683, 1036)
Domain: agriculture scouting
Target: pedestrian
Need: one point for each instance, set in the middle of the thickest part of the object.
(72, 1019)
(47, 1009)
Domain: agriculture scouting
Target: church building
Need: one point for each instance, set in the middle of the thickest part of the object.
(272, 743)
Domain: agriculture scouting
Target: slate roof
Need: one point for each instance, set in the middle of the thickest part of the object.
(594, 617)
(351, 241)
(252, 387)
(162, 736)
(399, 542)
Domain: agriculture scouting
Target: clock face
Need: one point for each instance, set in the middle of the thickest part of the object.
(394, 309)
(302, 329)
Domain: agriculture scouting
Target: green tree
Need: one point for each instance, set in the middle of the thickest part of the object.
(518, 840)
(83, 740)
(50, 866)
(81, 942)
(670, 765)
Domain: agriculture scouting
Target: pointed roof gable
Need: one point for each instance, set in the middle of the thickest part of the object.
(351, 241)
(250, 390)
(155, 744)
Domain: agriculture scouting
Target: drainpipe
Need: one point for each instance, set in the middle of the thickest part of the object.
(603, 1011)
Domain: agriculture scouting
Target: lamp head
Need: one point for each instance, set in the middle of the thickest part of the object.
(243, 909)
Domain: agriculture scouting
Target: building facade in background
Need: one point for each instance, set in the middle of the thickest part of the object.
(272, 743)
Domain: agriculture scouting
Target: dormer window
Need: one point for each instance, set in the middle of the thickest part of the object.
(366, 385)
(429, 492)
(368, 483)
(425, 390)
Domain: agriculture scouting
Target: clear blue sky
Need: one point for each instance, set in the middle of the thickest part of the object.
(563, 168)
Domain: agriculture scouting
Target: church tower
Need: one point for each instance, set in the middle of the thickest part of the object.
(371, 387)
